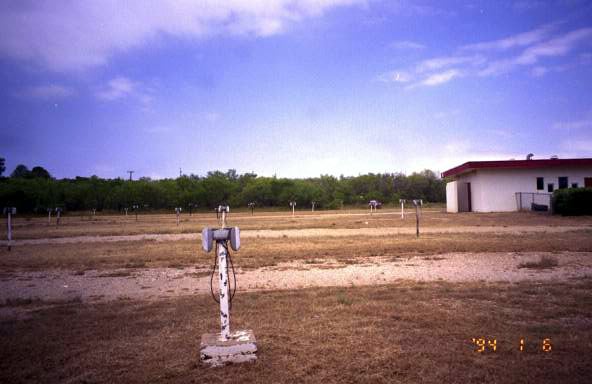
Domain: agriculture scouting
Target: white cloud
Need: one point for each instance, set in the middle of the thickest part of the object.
(555, 47)
(519, 40)
(558, 46)
(440, 78)
(395, 77)
(437, 63)
(123, 87)
(83, 34)
(406, 45)
(529, 49)
(117, 88)
(46, 92)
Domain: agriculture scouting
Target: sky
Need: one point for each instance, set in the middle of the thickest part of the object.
(291, 88)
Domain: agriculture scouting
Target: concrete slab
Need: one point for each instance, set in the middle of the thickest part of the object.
(241, 347)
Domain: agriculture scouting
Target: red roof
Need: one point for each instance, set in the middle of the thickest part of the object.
(546, 163)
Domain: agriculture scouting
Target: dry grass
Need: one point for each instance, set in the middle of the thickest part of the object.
(31, 228)
(257, 253)
(408, 333)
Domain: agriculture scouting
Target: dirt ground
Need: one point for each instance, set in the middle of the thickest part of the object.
(332, 297)
(162, 283)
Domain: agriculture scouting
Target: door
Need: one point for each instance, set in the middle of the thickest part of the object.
(464, 197)
(588, 182)
(469, 197)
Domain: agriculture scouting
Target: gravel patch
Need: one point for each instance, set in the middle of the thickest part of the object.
(157, 283)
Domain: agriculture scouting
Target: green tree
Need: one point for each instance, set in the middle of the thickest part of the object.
(20, 172)
(40, 172)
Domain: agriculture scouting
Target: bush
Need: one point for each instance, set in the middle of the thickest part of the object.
(572, 201)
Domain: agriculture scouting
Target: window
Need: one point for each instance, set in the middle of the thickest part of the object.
(540, 183)
(550, 187)
(574, 185)
(562, 182)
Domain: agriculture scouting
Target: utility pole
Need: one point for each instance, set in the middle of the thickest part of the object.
(418, 204)
(9, 211)
(130, 172)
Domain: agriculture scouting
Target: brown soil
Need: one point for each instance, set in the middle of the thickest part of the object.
(158, 283)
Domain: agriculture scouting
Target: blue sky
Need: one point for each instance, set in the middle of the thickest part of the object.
(291, 88)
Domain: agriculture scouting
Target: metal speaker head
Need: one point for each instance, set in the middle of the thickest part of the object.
(207, 239)
(235, 238)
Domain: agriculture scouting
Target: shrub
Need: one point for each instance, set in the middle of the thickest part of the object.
(572, 201)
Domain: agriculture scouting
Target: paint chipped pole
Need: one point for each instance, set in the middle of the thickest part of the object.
(418, 204)
(293, 205)
(136, 208)
(9, 211)
(58, 216)
(373, 204)
(402, 201)
(217, 349)
(178, 213)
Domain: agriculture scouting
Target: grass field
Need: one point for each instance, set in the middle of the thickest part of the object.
(37, 227)
(395, 330)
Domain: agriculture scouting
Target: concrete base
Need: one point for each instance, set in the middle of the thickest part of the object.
(240, 348)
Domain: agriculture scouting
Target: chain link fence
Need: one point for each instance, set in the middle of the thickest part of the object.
(533, 201)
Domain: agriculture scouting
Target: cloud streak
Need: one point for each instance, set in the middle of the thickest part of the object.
(121, 88)
(406, 45)
(486, 59)
(440, 78)
(81, 35)
(519, 40)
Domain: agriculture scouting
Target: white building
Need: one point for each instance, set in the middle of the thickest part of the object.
(497, 186)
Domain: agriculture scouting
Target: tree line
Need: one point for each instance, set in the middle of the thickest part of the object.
(35, 192)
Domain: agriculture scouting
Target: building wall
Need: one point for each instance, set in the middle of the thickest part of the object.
(494, 190)
(452, 197)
